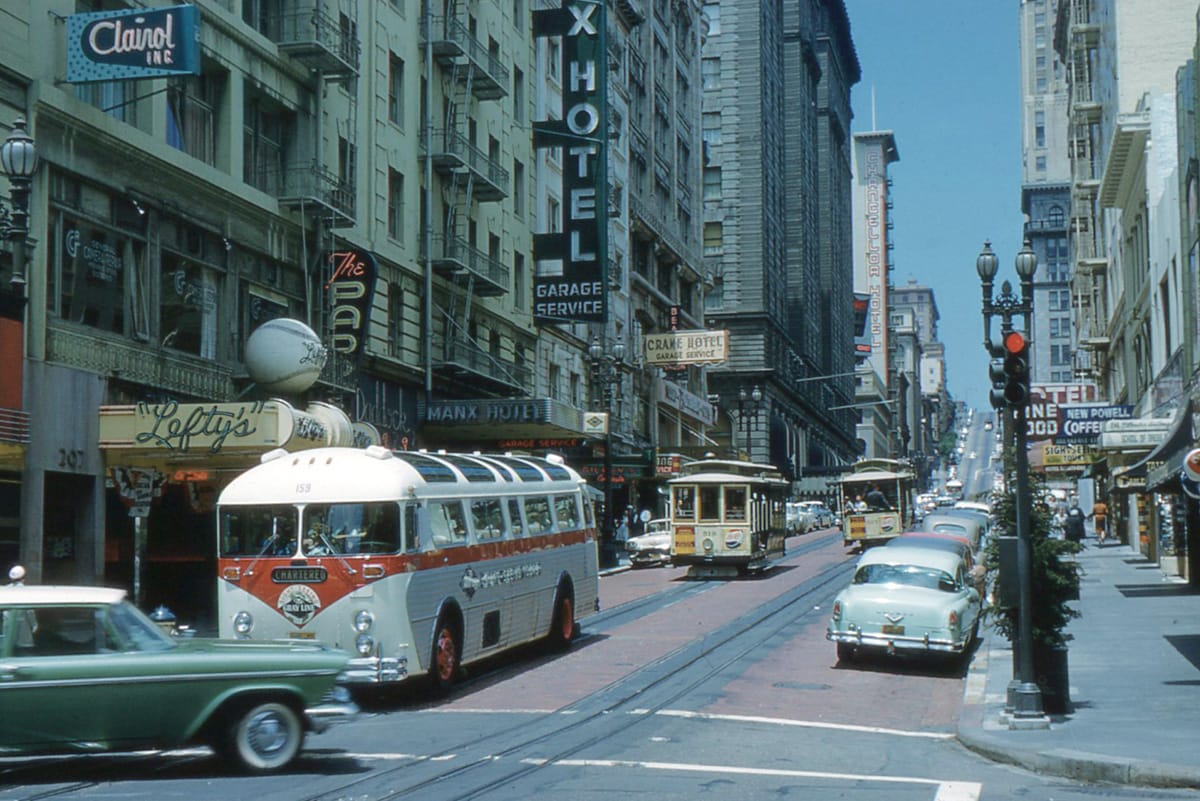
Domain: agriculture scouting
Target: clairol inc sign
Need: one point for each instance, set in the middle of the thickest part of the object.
(576, 293)
(133, 43)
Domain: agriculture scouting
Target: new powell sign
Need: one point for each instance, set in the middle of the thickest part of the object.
(575, 291)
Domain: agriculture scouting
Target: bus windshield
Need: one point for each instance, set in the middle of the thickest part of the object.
(329, 529)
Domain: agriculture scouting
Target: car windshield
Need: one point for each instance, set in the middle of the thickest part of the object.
(136, 631)
(908, 575)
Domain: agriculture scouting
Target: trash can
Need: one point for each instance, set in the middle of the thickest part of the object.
(1053, 678)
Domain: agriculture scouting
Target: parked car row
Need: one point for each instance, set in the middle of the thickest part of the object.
(806, 516)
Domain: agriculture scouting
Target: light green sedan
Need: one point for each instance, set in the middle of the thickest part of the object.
(83, 670)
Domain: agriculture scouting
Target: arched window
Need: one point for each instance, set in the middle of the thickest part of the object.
(1056, 216)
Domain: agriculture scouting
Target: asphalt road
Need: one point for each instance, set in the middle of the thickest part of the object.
(678, 689)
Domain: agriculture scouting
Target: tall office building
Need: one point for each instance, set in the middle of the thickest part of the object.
(1046, 191)
(776, 116)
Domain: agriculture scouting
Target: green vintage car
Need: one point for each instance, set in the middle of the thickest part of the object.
(83, 670)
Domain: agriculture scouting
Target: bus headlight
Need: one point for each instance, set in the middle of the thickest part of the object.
(243, 622)
(363, 621)
(364, 644)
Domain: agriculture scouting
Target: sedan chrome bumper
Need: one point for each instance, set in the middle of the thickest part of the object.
(893, 642)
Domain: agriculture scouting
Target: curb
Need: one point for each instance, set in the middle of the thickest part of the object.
(1062, 762)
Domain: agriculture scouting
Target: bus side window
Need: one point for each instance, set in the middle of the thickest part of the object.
(566, 511)
(516, 525)
(537, 514)
(447, 523)
(487, 519)
(411, 540)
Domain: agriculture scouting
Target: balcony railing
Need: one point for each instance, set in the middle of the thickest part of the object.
(453, 45)
(457, 159)
(302, 185)
(466, 362)
(454, 257)
(314, 37)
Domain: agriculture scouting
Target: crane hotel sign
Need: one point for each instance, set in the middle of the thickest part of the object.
(133, 43)
(686, 347)
(576, 292)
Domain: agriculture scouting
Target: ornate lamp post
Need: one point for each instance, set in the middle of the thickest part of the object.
(606, 374)
(19, 161)
(1010, 375)
(749, 403)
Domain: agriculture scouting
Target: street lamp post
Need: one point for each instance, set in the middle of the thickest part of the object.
(606, 372)
(748, 403)
(19, 161)
(1024, 696)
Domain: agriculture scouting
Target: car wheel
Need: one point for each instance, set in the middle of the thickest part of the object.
(845, 652)
(562, 626)
(264, 737)
(447, 651)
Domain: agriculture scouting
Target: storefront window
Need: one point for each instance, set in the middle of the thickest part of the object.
(189, 306)
(99, 276)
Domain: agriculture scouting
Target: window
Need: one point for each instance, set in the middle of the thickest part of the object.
(101, 276)
(519, 280)
(1039, 163)
(192, 102)
(487, 518)
(566, 512)
(265, 127)
(537, 515)
(515, 524)
(1040, 128)
(712, 183)
(553, 60)
(395, 322)
(395, 190)
(713, 239)
(710, 127)
(713, 12)
(188, 310)
(710, 503)
(447, 523)
(554, 215)
(395, 89)
(518, 95)
(518, 188)
(554, 379)
(710, 73)
(685, 503)
(735, 503)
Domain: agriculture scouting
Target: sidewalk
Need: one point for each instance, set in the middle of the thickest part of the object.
(1134, 667)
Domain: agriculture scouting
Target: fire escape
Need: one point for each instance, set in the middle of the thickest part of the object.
(1087, 238)
(466, 176)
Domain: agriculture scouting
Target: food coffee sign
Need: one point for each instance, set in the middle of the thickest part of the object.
(576, 292)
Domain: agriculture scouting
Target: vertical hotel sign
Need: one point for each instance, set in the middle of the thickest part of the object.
(876, 280)
(133, 43)
(576, 291)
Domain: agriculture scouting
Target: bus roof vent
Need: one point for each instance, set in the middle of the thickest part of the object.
(555, 458)
(272, 455)
(378, 452)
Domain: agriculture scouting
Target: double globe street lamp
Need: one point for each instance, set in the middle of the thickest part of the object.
(19, 161)
(606, 374)
(1009, 370)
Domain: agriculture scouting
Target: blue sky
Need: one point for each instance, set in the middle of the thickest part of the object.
(946, 81)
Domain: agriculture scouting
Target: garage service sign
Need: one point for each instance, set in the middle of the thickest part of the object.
(686, 347)
(133, 43)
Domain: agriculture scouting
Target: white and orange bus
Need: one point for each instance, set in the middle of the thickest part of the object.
(727, 517)
(418, 563)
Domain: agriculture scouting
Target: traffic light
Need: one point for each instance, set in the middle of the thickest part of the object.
(1016, 369)
(999, 378)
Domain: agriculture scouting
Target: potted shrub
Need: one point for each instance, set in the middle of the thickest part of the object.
(1055, 576)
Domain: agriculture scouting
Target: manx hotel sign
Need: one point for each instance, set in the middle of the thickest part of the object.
(575, 292)
(133, 43)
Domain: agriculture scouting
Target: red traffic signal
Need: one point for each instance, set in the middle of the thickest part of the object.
(1014, 342)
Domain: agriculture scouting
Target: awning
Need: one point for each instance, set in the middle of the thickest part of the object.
(1163, 463)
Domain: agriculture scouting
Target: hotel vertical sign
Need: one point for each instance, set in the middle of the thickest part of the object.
(576, 291)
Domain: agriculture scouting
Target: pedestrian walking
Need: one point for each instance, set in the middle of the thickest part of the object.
(1074, 525)
(1100, 520)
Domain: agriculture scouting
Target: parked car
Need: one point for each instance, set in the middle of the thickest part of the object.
(83, 670)
(957, 521)
(799, 520)
(653, 547)
(817, 513)
(906, 599)
(946, 542)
